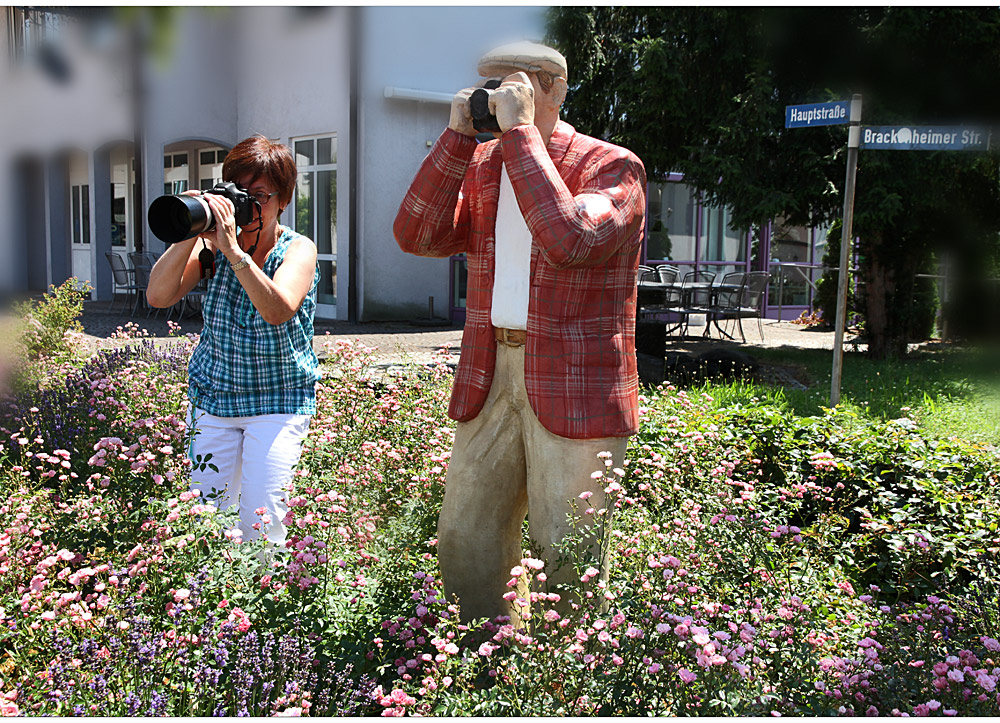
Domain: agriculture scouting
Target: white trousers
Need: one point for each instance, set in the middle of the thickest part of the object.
(255, 457)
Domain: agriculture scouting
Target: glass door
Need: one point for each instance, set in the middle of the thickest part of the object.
(80, 231)
(315, 211)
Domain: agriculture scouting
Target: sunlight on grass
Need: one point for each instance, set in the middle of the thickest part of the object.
(949, 392)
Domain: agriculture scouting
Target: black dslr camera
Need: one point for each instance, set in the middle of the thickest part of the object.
(178, 218)
(479, 104)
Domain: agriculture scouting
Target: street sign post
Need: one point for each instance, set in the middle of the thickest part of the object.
(846, 237)
(901, 138)
(825, 114)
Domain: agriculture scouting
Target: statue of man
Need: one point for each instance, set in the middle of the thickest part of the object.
(551, 223)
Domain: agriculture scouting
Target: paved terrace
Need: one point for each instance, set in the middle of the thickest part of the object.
(398, 341)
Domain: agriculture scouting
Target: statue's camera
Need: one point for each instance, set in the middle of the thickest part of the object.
(479, 104)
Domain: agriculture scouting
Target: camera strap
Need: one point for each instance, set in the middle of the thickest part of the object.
(260, 225)
(207, 260)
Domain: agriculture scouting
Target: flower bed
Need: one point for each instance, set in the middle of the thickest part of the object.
(761, 563)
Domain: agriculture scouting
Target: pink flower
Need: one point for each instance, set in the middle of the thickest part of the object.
(181, 594)
(986, 681)
(289, 713)
(399, 697)
(687, 676)
(8, 708)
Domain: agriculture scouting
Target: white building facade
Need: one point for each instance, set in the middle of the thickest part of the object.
(358, 94)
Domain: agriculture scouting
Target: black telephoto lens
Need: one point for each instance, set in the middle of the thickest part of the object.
(178, 218)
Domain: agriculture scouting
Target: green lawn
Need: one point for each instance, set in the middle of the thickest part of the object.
(949, 391)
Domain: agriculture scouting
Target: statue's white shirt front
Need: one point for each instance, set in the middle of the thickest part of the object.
(513, 261)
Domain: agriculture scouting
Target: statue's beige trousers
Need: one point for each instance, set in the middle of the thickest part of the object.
(504, 465)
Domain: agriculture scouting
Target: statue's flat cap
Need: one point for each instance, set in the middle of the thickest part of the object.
(522, 55)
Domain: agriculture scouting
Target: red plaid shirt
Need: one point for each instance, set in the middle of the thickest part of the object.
(584, 202)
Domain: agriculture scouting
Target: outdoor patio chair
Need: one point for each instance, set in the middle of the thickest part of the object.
(123, 280)
(142, 264)
(655, 302)
(749, 305)
(197, 294)
(725, 301)
(667, 273)
(695, 297)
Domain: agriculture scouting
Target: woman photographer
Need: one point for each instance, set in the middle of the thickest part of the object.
(253, 373)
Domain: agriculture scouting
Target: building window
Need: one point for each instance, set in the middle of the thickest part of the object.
(459, 281)
(168, 161)
(210, 167)
(315, 206)
(180, 160)
(721, 242)
(118, 214)
(16, 26)
(672, 228)
(81, 214)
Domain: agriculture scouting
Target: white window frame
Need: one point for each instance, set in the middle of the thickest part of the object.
(328, 311)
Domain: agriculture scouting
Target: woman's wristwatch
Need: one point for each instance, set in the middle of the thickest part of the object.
(243, 262)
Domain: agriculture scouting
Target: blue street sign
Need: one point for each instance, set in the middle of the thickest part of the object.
(925, 138)
(817, 114)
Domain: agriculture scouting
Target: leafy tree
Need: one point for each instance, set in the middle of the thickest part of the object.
(703, 90)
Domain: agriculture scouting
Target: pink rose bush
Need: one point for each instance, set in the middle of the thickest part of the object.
(761, 563)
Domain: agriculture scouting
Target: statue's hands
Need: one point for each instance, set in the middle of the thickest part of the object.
(461, 115)
(513, 103)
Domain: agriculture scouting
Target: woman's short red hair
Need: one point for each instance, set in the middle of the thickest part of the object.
(258, 157)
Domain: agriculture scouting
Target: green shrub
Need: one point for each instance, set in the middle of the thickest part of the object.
(49, 327)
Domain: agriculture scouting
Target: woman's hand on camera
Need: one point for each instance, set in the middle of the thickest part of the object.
(225, 224)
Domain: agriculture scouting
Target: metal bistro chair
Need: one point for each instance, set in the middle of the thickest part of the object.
(749, 304)
(725, 301)
(662, 297)
(197, 293)
(696, 296)
(142, 264)
(645, 273)
(667, 273)
(123, 280)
